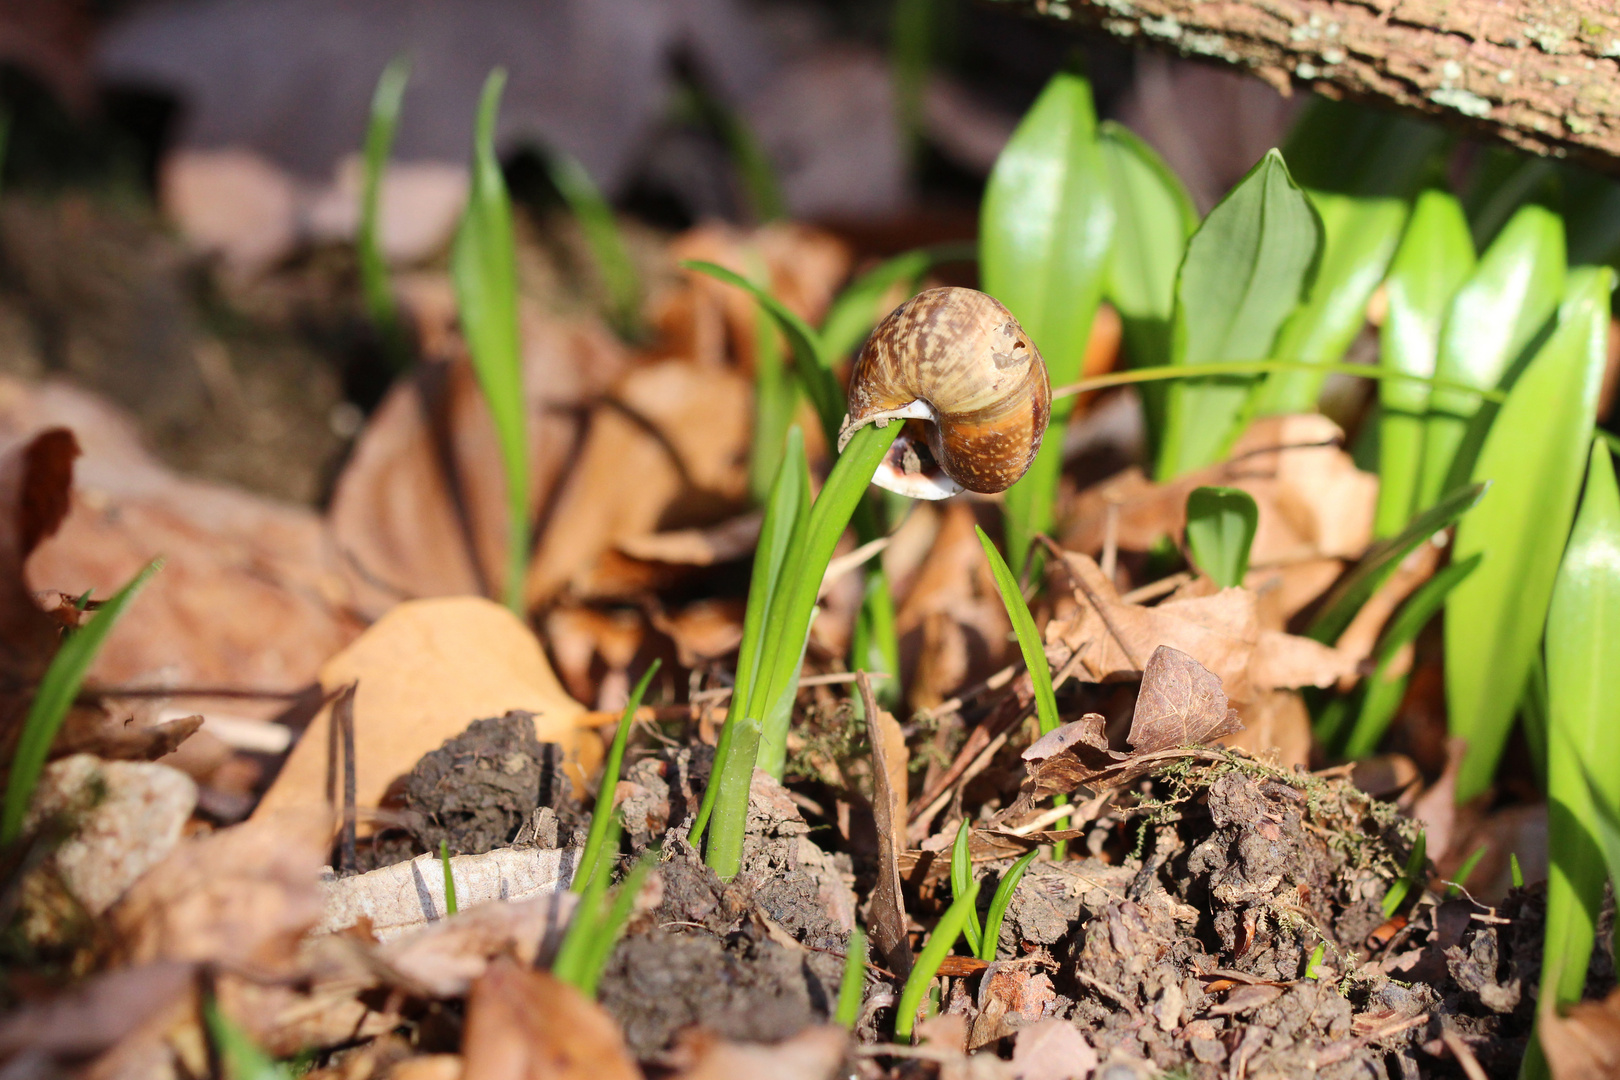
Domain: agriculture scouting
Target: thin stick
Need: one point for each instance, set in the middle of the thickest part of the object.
(1110, 551)
(343, 717)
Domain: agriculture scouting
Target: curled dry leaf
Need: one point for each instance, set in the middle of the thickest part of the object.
(125, 817)
(1180, 707)
(529, 1025)
(394, 900)
(1012, 996)
(425, 671)
(242, 896)
(1313, 501)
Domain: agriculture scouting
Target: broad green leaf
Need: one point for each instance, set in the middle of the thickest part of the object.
(1533, 457)
(1153, 217)
(1245, 269)
(54, 697)
(1341, 604)
(1360, 168)
(386, 101)
(1044, 234)
(1497, 314)
(1583, 685)
(1383, 692)
(1435, 257)
(483, 267)
(1221, 522)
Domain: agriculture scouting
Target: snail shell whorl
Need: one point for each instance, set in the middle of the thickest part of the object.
(958, 358)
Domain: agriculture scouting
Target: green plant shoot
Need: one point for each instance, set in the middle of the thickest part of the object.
(852, 988)
(240, 1058)
(483, 267)
(386, 102)
(962, 877)
(597, 926)
(1411, 878)
(940, 942)
(591, 860)
(1044, 235)
(450, 905)
(52, 700)
(1221, 523)
(999, 903)
(608, 250)
(1465, 871)
(1535, 458)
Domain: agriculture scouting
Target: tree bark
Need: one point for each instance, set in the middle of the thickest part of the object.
(1544, 75)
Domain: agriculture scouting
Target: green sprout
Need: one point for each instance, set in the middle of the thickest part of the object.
(608, 250)
(1411, 878)
(597, 925)
(999, 903)
(240, 1058)
(450, 905)
(1465, 871)
(52, 700)
(386, 102)
(961, 878)
(851, 989)
(591, 861)
(933, 954)
(1221, 523)
(1313, 966)
(483, 268)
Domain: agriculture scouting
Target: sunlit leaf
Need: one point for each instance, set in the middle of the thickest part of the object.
(1583, 686)
(1246, 268)
(1495, 316)
(1221, 522)
(1360, 167)
(1044, 234)
(1435, 257)
(1534, 458)
(386, 102)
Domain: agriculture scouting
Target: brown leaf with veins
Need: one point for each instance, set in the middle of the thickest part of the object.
(1181, 704)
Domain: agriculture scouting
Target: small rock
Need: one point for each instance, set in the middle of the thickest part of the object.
(124, 817)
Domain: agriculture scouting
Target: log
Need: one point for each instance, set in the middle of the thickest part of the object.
(1542, 75)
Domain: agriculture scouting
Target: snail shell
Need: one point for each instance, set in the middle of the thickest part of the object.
(958, 369)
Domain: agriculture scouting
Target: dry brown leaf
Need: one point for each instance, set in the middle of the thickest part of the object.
(952, 625)
(698, 547)
(886, 915)
(529, 1025)
(1584, 1043)
(92, 1016)
(445, 957)
(1362, 634)
(1011, 996)
(1276, 725)
(1313, 501)
(813, 1054)
(425, 671)
(1181, 704)
(428, 1067)
(1052, 1049)
(703, 631)
(242, 896)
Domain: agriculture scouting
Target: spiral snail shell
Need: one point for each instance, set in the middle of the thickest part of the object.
(970, 385)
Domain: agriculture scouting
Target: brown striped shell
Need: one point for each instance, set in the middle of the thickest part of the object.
(971, 387)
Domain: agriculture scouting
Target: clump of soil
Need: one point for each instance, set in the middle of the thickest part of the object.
(476, 792)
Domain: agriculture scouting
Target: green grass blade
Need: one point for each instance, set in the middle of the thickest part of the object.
(1435, 257)
(940, 942)
(483, 267)
(776, 398)
(450, 905)
(784, 644)
(1154, 217)
(240, 1058)
(573, 959)
(1515, 870)
(608, 250)
(1313, 966)
(962, 878)
(912, 30)
(1373, 568)
(810, 361)
(386, 102)
(1029, 638)
(1246, 267)
(784, 510)
(852, 989)
(1411, 878)
(54, 697)
(1045, 229)
(999, 904)
(1360, 168)
(590, 859)
(1583, 755)
(1460, 880)
(1221, 523)
(1384, 691)
(1496, 315)
(610, 927)
(855, 310)
(1534, 458)
(875, 644)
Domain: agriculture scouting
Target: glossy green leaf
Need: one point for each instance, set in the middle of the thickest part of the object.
(1246, 267)
(483, 268)
(939, 945)
(1497, 314)
(1044, 234)
(1221, 523)
(1383, 692)
(999, 903)
(1345, 599)
(1534, 457)
(1360, 167)
(1583, 755)
(591, 859)
(1153, 217)
(386, 102)
(1435, 257)
(962, 877)
(54, 697)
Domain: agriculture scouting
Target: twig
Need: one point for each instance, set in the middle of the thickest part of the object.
(343, 719)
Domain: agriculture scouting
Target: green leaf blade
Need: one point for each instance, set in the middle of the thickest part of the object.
(1030, 643)
(1534, 456)
(1221, 523)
